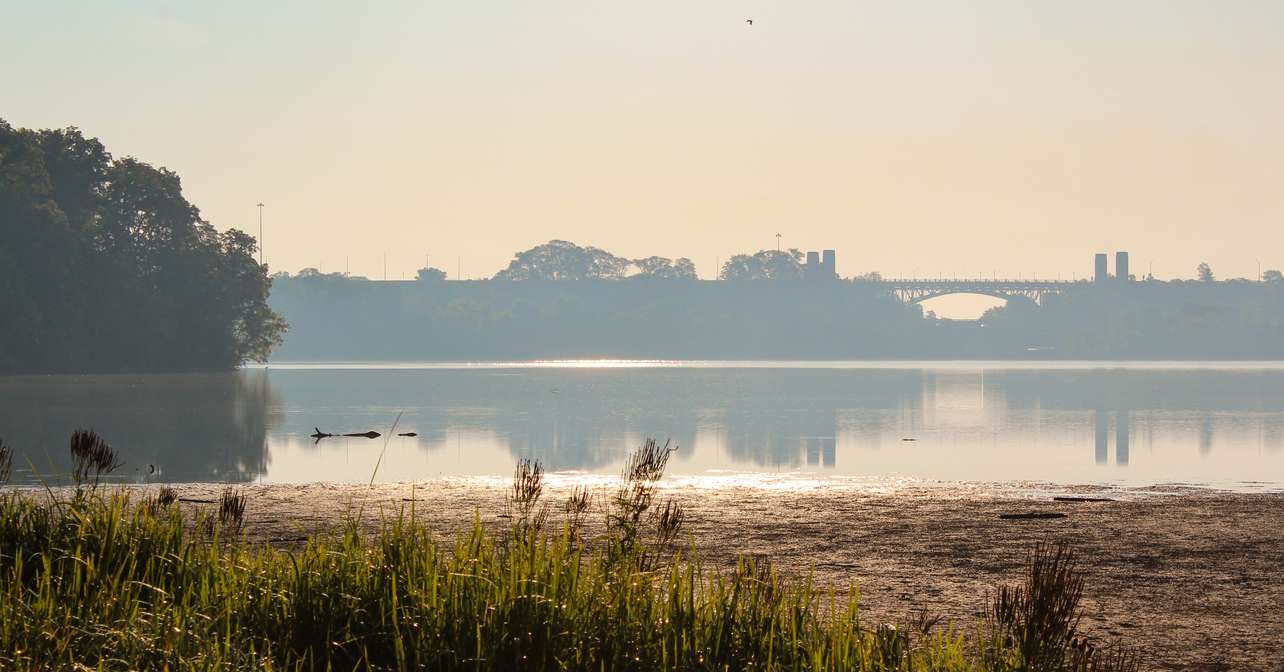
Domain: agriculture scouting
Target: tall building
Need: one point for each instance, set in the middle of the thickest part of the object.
(828, 265)
(1100, 272)
(1121, 266)
(812, 270)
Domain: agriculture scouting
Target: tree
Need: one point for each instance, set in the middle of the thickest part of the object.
(664, 268)
(562, 260)
(764, 265)
(1204, 272)
(106, 266)
(430, 274)
(1273, 277)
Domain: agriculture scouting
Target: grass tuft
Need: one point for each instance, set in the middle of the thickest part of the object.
(231, 509)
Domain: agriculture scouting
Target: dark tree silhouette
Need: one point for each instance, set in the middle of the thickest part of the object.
(1273, 277)
(1204, 272)
(764, 265)
(663, 268)
(563, 260)
(430, 274)
(105, 266)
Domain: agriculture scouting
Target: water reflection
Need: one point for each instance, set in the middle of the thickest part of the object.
(1217, 427)
(186, 427)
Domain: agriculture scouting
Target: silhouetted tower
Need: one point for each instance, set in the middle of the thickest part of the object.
(828, 265)
(1121, 266)
(812, 271)
(1100, 273)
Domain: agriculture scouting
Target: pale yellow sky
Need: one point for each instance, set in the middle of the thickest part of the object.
(915, 138)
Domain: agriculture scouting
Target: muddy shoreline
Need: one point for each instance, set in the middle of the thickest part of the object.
(1194, 577)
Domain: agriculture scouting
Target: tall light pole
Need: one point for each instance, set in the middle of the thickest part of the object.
(777, 242)
(260, 206)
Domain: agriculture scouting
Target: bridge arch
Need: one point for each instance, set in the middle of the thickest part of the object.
(928, 296)
(917, 291)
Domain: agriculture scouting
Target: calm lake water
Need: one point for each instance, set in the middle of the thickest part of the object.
(1219, 425)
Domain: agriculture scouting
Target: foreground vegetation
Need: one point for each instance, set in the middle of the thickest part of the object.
(103, 580)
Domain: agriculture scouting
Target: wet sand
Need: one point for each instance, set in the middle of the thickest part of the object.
(1195, 578)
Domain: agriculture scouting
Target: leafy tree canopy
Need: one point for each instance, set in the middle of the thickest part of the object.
(563, 260)
(1204, 272)
(764, 265)
(105, 266)
(430, 274)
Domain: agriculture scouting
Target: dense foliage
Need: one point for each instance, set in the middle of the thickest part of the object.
(764, 265)
(563, 260)
(104, 266)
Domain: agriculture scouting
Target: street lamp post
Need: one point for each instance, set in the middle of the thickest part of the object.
(777, 242)
(260, 206)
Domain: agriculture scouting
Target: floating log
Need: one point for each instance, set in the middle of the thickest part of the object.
(368, 435)
(408, 434)
(1031, 515)
(1082, 499)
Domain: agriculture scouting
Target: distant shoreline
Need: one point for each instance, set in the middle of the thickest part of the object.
(855, 364)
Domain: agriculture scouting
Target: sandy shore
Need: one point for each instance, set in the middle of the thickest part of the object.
(1195, 578)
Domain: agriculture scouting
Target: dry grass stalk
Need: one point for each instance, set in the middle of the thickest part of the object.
(231, 508)
(523, 498)
(6, 462)
(1040, 618)
(576, 506)
(92, 457)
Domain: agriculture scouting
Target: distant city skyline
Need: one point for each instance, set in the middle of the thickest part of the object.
(956, 139)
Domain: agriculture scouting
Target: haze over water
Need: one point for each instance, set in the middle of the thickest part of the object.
(1131, 424)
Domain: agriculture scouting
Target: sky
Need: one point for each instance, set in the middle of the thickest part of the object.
(992, 137)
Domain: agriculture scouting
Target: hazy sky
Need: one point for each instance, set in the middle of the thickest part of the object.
(914, 137)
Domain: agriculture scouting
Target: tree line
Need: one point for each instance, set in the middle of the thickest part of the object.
(105, 266)
(562, 300)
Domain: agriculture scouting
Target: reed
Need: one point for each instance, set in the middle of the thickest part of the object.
(92, 458)
(6, 462)
(102, 582)
(231, 508)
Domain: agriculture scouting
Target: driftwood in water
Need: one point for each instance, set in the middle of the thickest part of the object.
(1082, 499)
(325, 435)
(1032, 515)
(408, 434)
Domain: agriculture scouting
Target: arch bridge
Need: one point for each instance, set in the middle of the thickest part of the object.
(918, 290)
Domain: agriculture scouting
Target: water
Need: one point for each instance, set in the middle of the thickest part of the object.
(1207, 424)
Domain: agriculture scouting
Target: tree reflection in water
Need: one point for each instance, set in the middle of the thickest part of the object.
(167, 427)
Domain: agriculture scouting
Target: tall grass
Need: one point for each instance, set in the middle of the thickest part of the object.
(103, 582)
